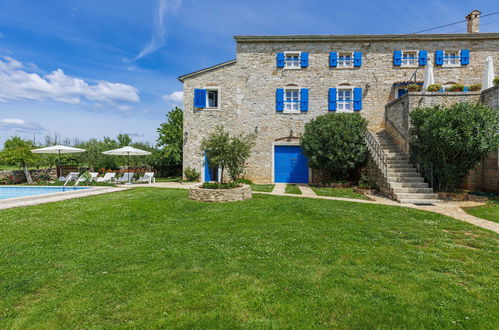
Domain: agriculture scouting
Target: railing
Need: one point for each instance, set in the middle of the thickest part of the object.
(414, 75)
(377, 152)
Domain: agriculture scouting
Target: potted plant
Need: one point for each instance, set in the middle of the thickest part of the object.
(413, 88)
(475, 87)
(456, 88)
(434, 88)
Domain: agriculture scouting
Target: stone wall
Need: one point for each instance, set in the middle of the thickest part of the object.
(220, 195)
(18, 175)
(247, 89)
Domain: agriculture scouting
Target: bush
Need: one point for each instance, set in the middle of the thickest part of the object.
(456, 88)
(434, 88)
(413, 88)
(335, 143)
(191, 174)
(243, 181)
(475, 87)
(496, 81)
(216, 185)
(452, 141)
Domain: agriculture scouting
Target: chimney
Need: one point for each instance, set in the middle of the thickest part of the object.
(473, 21)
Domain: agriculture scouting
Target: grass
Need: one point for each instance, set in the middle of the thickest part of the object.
(262, 187)
(490, 211)
(172, 179)
(4, 167)
(338, 192)
(292, 189)
(151, 258)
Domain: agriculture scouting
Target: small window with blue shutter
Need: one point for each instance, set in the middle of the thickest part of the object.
(452, 58)
(332, 99)
(397, 57)
(357, 99)
(304, 99)
(304, 59)
(357, 59)
(292, 100)
(199, 98)
(292, 60)
(423, 57)
(280, 60)
(208, 98)
(279, 99)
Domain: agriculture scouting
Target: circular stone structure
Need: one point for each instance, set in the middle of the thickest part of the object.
(220, 195)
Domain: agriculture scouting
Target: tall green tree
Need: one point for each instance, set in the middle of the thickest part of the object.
(171, 138)
(17, 151)
(124, 140)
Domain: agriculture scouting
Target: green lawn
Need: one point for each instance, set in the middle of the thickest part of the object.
(487, 212)
(151, 258)
(338, 192)
(292, 189)
(262, 187)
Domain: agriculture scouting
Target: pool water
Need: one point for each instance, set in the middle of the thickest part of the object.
(13, 192)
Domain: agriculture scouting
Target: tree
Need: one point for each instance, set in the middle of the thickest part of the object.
(18, 152)
(124, 140)
(171, 138)
(224, 151)
(448, 142)
(335, 143)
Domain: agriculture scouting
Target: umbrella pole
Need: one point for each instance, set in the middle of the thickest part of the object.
(128, 167)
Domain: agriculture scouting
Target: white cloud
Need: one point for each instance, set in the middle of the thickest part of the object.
(158, 38)
(20, 125)
(175, 97)
(19, 84)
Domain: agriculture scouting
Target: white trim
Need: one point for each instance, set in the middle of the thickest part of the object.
(338, 88)
(284, 143)
(213, 88)
(299, 60)
(402, 65)
(457, 65)
(298, 88)
(338, 66)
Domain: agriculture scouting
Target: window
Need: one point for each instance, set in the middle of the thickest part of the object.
(212, 98)
(409, 58)
(292, 60)
(452, 58)
(345, 60)
(292, 100)
(345, 100)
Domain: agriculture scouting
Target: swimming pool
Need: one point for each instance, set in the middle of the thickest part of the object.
(14, 192)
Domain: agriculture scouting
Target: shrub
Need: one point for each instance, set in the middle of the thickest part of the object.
(216, 185)
(226, 152)
(496, 81)
(434, 88)
(475, 87)
(335, 143)
(243, 181)
(413, 88)
(191, 174)
(452, 141)
(44, 177)
(456, 88)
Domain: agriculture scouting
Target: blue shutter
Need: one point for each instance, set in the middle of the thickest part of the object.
(207, 174)
(357, 59)
(333, 59)
(439, 57)
(397, 57)
(304, 99)
(357, 99)
(423, 57)
(304, 59)
(332, 99)
(279, 99)
(465, 56)
(199, 98)
(280, 60)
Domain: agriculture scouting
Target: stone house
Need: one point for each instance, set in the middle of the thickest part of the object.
(276, 84)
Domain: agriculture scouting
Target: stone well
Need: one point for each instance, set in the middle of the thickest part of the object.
(220, 195)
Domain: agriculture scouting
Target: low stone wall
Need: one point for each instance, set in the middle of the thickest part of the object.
(18, 175)
(376, 178)
(220, 195)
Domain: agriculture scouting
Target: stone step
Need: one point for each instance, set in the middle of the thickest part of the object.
(414, 196)
(394, 176)
(412, 190)
(395, 185)
(400, 165)
(417, 201)
(397, 161)
(402, 171)
(398, 157)
(404, 179)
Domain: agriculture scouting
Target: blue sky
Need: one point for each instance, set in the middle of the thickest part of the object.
(88, 68)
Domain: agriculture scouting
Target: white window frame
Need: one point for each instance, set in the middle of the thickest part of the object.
(409, 65)
(341, 63)
(344, 88)
(289, 67)
(212, 88)
(458, 59)
(292, 88)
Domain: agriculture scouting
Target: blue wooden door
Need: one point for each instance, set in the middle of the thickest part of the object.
(210, 173)
(401, 92)
(290, 165)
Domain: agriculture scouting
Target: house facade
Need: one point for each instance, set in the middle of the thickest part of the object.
(277, 84)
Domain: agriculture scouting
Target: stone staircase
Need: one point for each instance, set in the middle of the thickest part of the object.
(403, 181)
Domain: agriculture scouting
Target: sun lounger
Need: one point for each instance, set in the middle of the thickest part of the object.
(71, 177)
(127, 177)
(147, 177)
(108, 177)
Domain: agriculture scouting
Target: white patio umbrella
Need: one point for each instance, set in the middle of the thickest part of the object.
(57, 150)
(127, 151)
(488, 73)
(429, 79)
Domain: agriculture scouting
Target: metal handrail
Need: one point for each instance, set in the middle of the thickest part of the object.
(377, 152)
